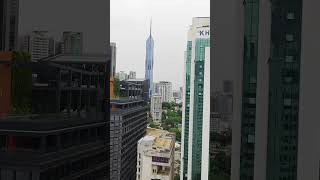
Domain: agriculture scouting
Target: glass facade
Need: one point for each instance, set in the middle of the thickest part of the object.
(201, 44)
(284, 77)
(249, 87)
(187, 107)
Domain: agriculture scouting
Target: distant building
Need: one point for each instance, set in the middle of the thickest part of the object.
(156, 88)
(113, 47)
(39, 44)
(177, 96)
(156, 108)
(145, 87)
(122, 75)
(149, 62)
(165, 90)
(132, 75)
(156, 153)
(72, 42)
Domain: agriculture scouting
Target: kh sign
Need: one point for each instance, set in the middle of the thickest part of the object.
(203, 32)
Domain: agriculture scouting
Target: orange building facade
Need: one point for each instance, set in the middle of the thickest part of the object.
(5, 83)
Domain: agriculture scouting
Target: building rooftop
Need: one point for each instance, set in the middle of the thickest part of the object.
(137, 79)
(83, 58)
(162, 139)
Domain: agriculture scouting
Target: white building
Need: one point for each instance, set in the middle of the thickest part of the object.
(132, 75)
(165, 90)
(122, 75)
(155, 158)
(196, 102)
(156, 108)
(39, 45)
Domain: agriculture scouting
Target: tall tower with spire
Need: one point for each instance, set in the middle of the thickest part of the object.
(149, 60)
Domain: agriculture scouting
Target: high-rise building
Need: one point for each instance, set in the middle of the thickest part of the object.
(9, 14)
(59, 133)
(156, 88)
(149, 62)
(72, 42)
(122, 76)
(165, 91)
(196, 102)
(274, 111)
(156, 108)
(132, 75)
(128, 124)
(155, 156)
(113, 47)
(39, 44)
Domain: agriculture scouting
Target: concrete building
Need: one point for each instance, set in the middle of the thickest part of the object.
(64, 137)
(72, 42)
(122, 76)
(128, 124)
(156, 108)
(156, 88)
(9, 16)
(196, 102)
(113, 47)
(155, 157)
(145, 87)
(132, 75)
(165, 91)
(274, 98)
(149, 61)
(39, 44)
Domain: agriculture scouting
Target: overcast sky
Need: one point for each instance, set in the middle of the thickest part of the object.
(130, 20)
(56, 16)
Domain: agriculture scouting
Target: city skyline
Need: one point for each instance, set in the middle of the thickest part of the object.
(168, 30)
(95, 38)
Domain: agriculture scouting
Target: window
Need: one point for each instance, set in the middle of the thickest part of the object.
(289, 59)
(289, 37)
(290, 16)
(252, 100)
(287, 102)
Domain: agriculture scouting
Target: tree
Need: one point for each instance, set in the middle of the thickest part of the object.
(177, 132)
(116, 87)
(21, 83)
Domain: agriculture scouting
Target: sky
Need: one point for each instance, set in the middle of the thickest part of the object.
(129, 29)
(89, 17)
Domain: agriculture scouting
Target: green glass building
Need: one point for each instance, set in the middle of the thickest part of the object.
(196, 55)
(274, 108)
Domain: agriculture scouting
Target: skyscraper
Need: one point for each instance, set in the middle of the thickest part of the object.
(165, 91)
(275, 118)
(128, 124)
(113, 47)
(72, 42)
(149, 61)
(9, 14)
(39, 44)
(196, 105)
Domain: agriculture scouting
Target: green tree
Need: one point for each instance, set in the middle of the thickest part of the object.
(21, 83)
(177, 132)
(116, 87)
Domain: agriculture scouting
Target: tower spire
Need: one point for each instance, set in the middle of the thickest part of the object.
(150, 25)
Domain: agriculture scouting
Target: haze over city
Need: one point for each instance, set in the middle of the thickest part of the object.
(130, 22)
